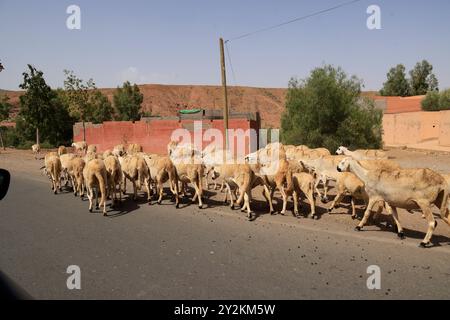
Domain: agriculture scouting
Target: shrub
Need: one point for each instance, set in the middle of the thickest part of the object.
(431, 101)
(325, 110)
(444, 100)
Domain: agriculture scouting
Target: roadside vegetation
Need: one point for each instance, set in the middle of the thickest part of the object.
(326, 110)
(51, 113)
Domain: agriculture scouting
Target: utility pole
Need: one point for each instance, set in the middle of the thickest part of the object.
(225, 95)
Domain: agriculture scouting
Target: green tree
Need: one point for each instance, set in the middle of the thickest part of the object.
(431, 101)
(444, 100)
(41, 108)
(77, 95)
(127, 102)
(101, 107)
(396, 84)
(5, 107)
(325, 110)
(422, 79)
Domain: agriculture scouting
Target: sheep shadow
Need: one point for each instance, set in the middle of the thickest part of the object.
(386, 223)
(124, 207)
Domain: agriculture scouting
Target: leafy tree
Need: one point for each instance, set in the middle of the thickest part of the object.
(435, 101)
(77, 95)
(325, 110)
(41, 108)
(101, 107)
(422, 79)
(444, 100)
(5, 107)
(85, 102)
(396, 84)
(431, 101)
(127, 102)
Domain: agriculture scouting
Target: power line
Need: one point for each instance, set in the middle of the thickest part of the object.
(231, 64)
(245, 35)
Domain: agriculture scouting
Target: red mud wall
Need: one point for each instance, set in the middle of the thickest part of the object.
(155, 134)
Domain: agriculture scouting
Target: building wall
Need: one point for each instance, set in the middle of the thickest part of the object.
(155, 134)
(416, 127)
(444, 129)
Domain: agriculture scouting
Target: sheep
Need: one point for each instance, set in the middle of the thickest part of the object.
(62, 150)
(95, 177)
(135, 169)
(134, 148)
(76, 168)
(36, 148)
(114, 173)
(241, 176)
(119, 150)
(348, 183)
(303, 182)
(53, 169)
(161, 170)
(190, 171)
(80, 146)
(107, 153)
(90, 156)
(91, 149)
(66, 166)
(404, 188)
(362, 154)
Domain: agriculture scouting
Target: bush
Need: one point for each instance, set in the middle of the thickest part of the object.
(444, 100)
(435, 101)
(431, 101)
(325, 110)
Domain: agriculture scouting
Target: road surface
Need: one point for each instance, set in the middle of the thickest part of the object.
(158, 252)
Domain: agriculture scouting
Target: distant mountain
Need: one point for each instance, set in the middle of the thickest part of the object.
(166, 100)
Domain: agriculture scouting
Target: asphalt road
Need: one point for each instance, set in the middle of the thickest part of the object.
(158, 252)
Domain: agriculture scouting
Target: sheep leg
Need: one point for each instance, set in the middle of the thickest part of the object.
(120, 193)
(247, 205)
(90, 197)
(432, 223)
(147, 186)
(366, 214)
(310, 196)
(198, 192)
(124, 190)
(325, 189)
(393, 212)
(96, 191)
(134, 189)
(337, 200)
(231, 196)
(226, 196)
(268, 197)
(316, 187)
(160, 189)
(295, 199)
(378, 211)
(284, 195)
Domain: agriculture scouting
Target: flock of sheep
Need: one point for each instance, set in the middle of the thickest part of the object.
(294, 171)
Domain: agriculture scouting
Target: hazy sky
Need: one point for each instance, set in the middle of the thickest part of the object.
(176, 42)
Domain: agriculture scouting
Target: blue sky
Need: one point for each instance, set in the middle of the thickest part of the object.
(176, 42)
